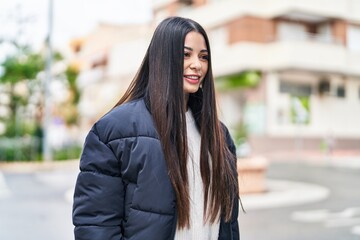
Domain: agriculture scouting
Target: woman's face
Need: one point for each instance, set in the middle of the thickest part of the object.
(195, 61)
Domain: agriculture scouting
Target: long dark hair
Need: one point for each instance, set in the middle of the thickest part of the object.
(160, 82)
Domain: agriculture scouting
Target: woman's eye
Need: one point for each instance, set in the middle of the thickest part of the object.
(186, 54)
(205, 57)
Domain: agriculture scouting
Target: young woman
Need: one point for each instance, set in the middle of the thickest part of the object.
(160, 165)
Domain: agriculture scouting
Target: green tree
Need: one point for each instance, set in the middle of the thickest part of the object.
(20, 67)
(243, 80)
(23, 69)
(26, 67)
(69, 108)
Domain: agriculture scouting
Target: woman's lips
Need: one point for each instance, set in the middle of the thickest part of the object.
(192, 78)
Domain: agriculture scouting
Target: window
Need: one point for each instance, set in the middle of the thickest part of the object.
(187, 2)
(324, 87)
(324, 33)
(291, 31)
(353, 38)
(295, 89)
(340, 91)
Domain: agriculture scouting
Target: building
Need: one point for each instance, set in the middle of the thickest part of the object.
(107, 59)
(308, 53)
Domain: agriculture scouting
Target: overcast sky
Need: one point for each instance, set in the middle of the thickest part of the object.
(72, 18)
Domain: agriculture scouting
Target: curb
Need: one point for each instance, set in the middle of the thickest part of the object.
(282, 193)
(28, 167)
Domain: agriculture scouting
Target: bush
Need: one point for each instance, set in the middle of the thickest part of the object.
(70, 152)
(29, 149)
(19, 149)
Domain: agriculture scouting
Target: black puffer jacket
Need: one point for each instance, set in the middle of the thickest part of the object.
(123, 190)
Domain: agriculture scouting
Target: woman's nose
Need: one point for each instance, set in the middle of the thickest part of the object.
(195, 64)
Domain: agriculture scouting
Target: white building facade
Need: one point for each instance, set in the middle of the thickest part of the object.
(308, 53)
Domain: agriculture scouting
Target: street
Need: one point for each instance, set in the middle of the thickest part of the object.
(335, 218)
(37, 205)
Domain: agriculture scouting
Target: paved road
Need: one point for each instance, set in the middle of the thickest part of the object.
(33, 206)
(335, 218)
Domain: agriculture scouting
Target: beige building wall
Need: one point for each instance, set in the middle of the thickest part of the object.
(295, 41)
(329, 114)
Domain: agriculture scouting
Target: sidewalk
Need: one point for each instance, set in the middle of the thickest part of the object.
(28, 167)
(283, 193)
(338, 158)
(329, 214)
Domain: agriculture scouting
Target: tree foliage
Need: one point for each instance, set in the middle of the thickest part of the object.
(22, 66)
(19, 69)
(21, 88)
(247, 79)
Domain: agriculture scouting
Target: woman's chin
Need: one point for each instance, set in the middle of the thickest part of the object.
(191, 90)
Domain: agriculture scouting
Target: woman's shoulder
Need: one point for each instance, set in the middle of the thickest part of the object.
(225, 131)
(126, 120)
(228, 138)
(123, 111)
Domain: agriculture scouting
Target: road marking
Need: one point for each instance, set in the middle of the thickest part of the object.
(349, 217)
(312, 216)
(341, 222)
(4, 190)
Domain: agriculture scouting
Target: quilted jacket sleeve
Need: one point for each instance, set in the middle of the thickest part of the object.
(235, 213)
(99, 193)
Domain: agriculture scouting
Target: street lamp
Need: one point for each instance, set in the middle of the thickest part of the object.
(47, 153)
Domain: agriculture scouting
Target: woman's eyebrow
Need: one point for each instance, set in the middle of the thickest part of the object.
(189, 48)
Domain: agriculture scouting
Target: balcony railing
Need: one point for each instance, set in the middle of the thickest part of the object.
(311, 37)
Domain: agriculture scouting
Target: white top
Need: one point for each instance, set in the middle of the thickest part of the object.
(198, 229)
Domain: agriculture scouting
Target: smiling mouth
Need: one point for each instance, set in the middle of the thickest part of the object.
(192, 78)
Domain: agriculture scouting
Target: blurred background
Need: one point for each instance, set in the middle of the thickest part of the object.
(287, 74)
